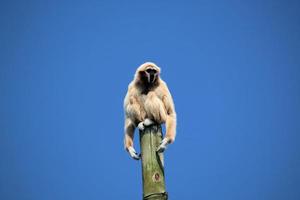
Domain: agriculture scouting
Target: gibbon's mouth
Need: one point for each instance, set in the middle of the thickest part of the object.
(152, 78)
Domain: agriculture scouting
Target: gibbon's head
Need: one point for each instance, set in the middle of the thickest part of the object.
(148, 73)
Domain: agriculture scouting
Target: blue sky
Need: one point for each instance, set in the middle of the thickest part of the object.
(233, 69)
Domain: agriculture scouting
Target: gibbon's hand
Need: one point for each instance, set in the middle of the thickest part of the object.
(133, 153)
(163, 145)
(146, 122)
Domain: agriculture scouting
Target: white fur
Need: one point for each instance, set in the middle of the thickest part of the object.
(133, 153)
(148, 122)
(163, 145)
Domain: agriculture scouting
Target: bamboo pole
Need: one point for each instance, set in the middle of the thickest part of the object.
(152, 164)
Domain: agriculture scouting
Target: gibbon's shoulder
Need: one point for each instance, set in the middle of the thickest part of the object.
(163, 83)
(131, 85)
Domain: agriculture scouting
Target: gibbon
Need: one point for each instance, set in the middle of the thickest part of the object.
(148, 101)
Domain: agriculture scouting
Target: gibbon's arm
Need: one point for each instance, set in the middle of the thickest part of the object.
(131, 109)
(170, 121)
(128, 139)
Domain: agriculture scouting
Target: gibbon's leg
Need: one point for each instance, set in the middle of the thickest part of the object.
(134, 110)
(155, 108)
(128, 139)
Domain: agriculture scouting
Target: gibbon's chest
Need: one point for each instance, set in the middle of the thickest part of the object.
(143, 98)
(149, 96)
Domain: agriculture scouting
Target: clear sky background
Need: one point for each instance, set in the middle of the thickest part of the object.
(233, 68)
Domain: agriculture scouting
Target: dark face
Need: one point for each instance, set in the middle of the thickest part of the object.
(151, 75)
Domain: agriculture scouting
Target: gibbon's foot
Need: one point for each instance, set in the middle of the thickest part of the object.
(133, 153)
(148, 122)
(163, 145)
(141, 126)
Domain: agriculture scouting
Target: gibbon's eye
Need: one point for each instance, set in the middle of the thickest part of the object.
(151, 71)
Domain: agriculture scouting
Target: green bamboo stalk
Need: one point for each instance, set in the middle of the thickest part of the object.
(152, 164)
